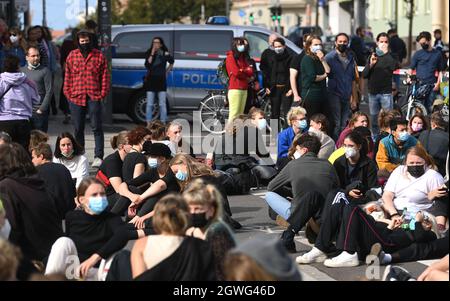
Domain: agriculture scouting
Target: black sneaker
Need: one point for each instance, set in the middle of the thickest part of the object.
(396, 273)
(287, 238)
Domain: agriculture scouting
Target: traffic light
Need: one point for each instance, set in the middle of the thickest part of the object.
(275, 13)
(279, 12)
(252, 18)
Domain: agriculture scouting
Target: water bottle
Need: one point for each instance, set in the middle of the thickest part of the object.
(406, 219)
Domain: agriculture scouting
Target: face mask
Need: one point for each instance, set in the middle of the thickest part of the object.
(33, 67)
(425, 46)
(279, 50)
(181, 176)
(379, 52)
(5, 230)
(14, 39)
(342, 47)
(199, 220)
(416, 127)
(262, 124)
(241, 48)
(68, 155)
(297, 155)
(302, 124)
(98, 204)
(152, 162)
(416, 171)
(350, 152)
(316, 48)
(403, 136)
(86, 48)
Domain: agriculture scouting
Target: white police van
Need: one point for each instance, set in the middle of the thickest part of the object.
(197, 49)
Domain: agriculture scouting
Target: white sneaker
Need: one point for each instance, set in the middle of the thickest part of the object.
(97, 162)
(315, 255)
(343, 260)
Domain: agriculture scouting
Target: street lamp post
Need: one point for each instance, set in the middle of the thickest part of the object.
(44, 13)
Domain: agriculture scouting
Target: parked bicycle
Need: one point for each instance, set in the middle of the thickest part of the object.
(415, 97)
(214, 110)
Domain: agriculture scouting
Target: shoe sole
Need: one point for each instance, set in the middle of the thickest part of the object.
(346, 265)
(316, 260)
(375, 251)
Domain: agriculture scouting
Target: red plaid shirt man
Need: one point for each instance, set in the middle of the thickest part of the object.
(86, 77)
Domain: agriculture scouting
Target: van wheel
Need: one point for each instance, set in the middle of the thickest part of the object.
(138, 108)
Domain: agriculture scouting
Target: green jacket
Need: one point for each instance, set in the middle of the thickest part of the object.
(312, 90)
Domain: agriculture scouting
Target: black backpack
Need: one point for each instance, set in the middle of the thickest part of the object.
(222, 73)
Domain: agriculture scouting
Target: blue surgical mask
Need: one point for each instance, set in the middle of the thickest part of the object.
(316, 48)
(241, 48)
(153, 162)
(403, 136)
(181, 176)
(262, 124)
(379, 52)
(98, 204)
(302, 124)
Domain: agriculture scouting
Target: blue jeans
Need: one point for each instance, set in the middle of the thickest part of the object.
(430, 100)
(162, 106)
(279, 204)
(376, 103)
(340, 113)
(94, 109)
(40, 121)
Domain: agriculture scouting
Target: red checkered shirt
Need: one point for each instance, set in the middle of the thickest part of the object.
(86, 77)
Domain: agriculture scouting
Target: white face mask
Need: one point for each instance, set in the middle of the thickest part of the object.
(14, 39)
(5, 230)
(297, 155)
(350, 152)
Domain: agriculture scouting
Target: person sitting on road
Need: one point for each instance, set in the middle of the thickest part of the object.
(417, 124)
(70, 154)
(135, 163)
(358, 119)
(262, 258)
(205, 206)
(298, 123)
(364, 132)
(169, 255)
(318, 125)
(384, 120)
(392, 149)
(174, 133)
(158, 130)
(310, 178)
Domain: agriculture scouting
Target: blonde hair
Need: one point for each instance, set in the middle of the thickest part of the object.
(10, 256)
(119, 139)
(295, 111)
(171, 215)
(434, 224)
(194, 168)
(240, 267)
(200, 193)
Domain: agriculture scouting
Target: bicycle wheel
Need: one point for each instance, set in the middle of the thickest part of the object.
(214, 113)
(416, 108)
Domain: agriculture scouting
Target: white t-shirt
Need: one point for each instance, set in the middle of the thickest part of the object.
(411, 192)
(78, 167)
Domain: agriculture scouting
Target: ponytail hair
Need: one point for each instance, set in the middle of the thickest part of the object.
(119, 139)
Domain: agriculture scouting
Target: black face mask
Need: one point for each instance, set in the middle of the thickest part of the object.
(199, 220)
(425, 46)
(416, 170)
(86, 48)
(342, 47)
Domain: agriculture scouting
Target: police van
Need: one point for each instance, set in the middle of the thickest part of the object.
(197, 49)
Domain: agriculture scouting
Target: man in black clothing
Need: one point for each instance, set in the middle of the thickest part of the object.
(57, 178)
(379, 71)
(295, 72)
(398, 50)
(435, 141)
(310, 178)
(266, 59)
(358, 46)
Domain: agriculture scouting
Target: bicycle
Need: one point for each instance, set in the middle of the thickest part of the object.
(214, 110)
(415, 98)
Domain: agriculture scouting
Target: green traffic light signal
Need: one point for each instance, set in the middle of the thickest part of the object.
(279, 18)
(274, 18)
(252, 18)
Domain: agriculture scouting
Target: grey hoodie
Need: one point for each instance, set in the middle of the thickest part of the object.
(18, 102)
(271, 255)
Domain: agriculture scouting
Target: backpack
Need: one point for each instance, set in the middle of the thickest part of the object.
(237, 180)
(222, 73)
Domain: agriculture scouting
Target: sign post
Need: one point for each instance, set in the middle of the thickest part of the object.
(104, 31)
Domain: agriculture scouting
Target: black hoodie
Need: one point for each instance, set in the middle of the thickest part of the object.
(32, 213)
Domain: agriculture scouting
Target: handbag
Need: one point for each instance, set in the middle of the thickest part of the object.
(7, 90)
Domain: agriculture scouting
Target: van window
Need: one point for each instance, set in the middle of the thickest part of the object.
(196, 45)
(135, 44)
(258, 43)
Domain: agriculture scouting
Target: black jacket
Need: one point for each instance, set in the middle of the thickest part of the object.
(364, 171)
(280, 73)
(266, 66)
(436, 144)
(32, 213)
(398, 48)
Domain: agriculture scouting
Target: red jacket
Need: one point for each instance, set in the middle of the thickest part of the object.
(239, 72)
(85, 77)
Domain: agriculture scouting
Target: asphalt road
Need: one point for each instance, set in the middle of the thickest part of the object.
(249, 210)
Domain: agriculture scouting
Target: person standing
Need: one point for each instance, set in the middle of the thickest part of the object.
(398, 50)
(42, 77)
(16, 45)
(314, 70)
(266, 59)
(86, 83)
(378, 71)
(240, 73)
(295, 72)
(427, 61)
(156, 60)
(3, 41)
(18, 95)
(341, 82)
